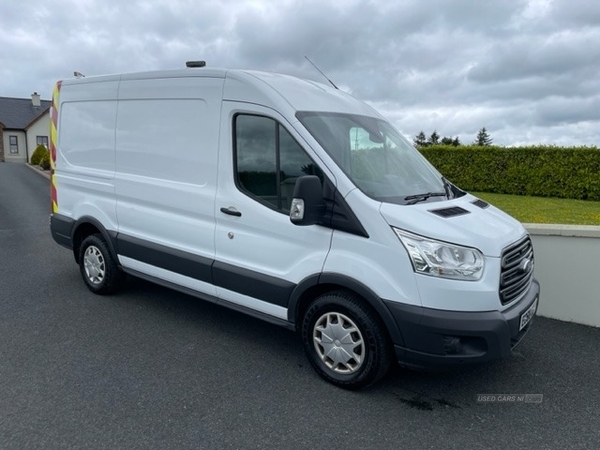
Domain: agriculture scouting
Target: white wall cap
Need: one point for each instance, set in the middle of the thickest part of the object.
(548, 229)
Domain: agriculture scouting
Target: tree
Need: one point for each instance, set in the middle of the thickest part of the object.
(420, 140)
(434, 139)
(483, 138)
(450, 141)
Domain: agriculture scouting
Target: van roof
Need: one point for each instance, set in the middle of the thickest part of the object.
(268, 88)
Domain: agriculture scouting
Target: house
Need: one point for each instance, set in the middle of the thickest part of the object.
(24, 124)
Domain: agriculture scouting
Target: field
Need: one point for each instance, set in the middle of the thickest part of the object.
(545, 210)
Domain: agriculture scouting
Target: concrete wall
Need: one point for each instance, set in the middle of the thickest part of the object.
(567, 266)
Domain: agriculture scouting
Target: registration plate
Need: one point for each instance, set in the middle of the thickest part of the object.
(528, 315)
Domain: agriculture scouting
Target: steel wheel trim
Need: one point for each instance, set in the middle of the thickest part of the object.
(95, 267)
(339, 343)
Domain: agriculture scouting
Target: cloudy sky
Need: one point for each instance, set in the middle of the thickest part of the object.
(527, 70)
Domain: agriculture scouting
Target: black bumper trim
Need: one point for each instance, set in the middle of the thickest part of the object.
(437, 338)
(61, 228)
(174, 260)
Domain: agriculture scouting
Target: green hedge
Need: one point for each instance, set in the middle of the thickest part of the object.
(542, 171)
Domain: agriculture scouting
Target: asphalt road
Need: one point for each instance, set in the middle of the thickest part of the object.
(152, 368)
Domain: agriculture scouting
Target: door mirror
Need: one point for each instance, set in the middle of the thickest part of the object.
(307, 206)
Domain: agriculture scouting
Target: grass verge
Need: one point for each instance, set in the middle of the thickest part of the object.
(545, 210)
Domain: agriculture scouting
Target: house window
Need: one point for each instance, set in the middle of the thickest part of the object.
(42, 140)
(14, 144)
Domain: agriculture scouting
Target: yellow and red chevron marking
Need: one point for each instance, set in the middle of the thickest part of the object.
(53, 143)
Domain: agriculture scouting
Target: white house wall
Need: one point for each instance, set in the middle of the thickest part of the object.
(40, 128)
(21, 156)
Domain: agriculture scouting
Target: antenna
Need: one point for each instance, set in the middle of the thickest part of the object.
(325, 76)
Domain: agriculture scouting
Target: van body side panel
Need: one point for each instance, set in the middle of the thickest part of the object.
(167, 144)
(85, 157)
(379, 261)
(269, 253)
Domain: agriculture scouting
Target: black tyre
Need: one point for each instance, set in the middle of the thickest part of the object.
(345, 341)
(98, 269)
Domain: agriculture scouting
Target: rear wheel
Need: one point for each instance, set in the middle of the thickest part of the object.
(98, 269)
(345, 341)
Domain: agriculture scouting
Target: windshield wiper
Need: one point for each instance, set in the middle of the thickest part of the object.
(422, 197)
(447, 188)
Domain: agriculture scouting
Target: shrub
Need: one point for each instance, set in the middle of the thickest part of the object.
(39, 154)
(542, 171)
(45, 161)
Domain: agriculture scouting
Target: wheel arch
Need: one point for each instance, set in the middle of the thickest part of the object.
(86, 226)
(320, 284)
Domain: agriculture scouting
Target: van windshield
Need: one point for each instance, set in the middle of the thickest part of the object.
(378, 160)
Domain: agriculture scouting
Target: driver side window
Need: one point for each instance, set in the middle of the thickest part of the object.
(268, 161)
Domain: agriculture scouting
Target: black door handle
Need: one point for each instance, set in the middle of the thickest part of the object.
(231, 211)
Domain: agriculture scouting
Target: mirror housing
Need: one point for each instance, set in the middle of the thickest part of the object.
(308, 205)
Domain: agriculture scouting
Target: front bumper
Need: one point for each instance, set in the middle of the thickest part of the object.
(434, 338)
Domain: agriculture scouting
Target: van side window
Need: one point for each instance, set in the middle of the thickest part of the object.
(269, 160)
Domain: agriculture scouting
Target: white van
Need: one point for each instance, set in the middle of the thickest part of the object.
(293, 202)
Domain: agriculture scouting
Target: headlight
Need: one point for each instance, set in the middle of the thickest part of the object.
(440, 259)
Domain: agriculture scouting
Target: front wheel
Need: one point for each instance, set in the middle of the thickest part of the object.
(98, 269)
(345, 341)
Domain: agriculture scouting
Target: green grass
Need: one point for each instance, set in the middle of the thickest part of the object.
(545, 210)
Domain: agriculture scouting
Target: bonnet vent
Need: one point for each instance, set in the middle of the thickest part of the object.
(449, 212)
(480, 203)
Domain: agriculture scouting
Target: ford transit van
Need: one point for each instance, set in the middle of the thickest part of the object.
(293, 202)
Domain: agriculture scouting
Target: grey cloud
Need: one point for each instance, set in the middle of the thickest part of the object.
(574, 14)
(522, 68)
(560, 111)
(539, 57)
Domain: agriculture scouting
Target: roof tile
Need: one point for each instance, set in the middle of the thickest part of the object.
(17, 113)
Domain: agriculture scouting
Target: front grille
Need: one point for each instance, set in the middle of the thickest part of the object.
(516, 271)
